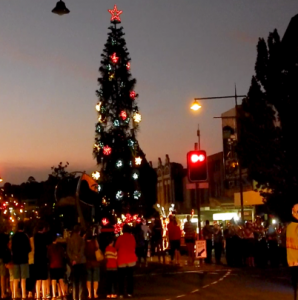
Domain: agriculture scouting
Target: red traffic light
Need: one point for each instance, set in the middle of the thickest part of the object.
(197, 166)
(195, 157)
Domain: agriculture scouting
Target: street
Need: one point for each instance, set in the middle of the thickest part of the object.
(211, 284)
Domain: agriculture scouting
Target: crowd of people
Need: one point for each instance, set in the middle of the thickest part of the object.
(250, 244)
(42, 266)
(38, 264)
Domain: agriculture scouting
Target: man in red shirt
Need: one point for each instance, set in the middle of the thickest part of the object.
(174, 234)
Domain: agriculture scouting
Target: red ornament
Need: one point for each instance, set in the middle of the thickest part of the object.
(132, 95)
(114, 58)
(139, 220)
(123, 115)
(107, 150)
(128, 66)
(115, 13)
(105, 221)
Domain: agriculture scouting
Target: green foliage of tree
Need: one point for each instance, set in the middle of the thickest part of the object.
(269, 123)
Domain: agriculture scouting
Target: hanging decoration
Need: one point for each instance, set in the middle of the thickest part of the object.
(114, 58)
(109, 67)
(123, 115)
(97, 106)
(101, 118)
(127, 120)
(107, 150)
(128, 66)
(130, 143)
(137, 117)
(115, 13)
(95, 175)
(99, 188)
(119, 195)
(127, 219)
(98, 128)
(135, 176)
(114, 42)
(132, 95)
(105, 221)
(96, 147)
(138, 160)
(116, 123)
(136, 195)
(119, 163)
(112, 76)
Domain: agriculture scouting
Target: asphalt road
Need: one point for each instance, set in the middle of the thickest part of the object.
(243, 284)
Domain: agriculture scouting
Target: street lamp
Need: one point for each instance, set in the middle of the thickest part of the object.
(1, 180)
(195, 106)
(60, 9)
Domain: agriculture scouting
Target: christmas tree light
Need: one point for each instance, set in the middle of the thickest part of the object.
(95, 175)
(138, 160)
(115, 13)
(114, 58)
(137, 117)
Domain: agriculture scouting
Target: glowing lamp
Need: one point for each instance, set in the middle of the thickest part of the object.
(195, 105)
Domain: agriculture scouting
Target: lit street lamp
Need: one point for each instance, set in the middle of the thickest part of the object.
(196, 106)
(1, 180)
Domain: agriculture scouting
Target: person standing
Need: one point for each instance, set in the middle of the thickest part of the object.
(190, 237)
(20, 247)
(77, 258)
(207, 234)
(249, 244)
(92, 265)
(41, 259)
(126, 248)
(292, 248)
(218, 239)
(171, 237)
(146, 232)
(4, 239)
(56, 255)
(31, 281)
(111, 266)
(157, 239)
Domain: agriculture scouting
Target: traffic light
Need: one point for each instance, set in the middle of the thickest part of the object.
(197, 166)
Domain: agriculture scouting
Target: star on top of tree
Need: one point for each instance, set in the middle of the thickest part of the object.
(115, 13)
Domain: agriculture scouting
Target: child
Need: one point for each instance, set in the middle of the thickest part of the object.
(111, 257)
(56, 255)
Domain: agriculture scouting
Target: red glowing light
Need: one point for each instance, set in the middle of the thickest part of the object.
(105, 221)
(114, 58)
(132, 94)
(128, 66)
(107, 150)
(195, 158)
(123, 115)
(115, 13)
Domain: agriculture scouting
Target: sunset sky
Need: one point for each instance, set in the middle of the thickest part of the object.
(179, 50)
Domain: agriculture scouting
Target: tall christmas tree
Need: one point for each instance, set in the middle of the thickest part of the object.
(116, 148)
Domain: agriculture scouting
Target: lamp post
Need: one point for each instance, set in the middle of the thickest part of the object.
(60, 9)
(196, 106)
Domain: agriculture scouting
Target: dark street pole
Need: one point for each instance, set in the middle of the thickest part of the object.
(198, 201)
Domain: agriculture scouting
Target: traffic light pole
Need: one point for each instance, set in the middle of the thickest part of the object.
(198, 201)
